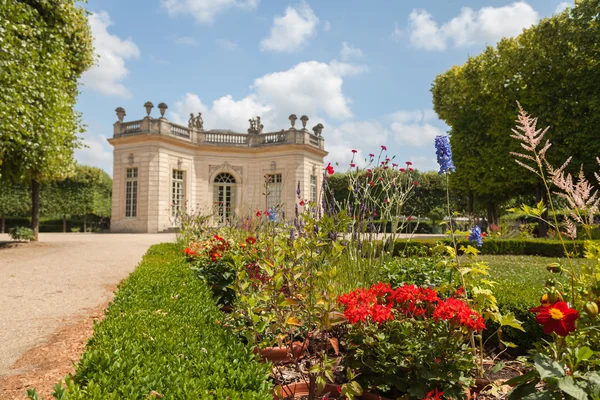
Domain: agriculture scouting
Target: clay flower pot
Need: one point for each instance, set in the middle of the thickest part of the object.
(285, 354)
(300, 389)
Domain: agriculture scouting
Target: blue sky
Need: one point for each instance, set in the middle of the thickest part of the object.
(362, 68)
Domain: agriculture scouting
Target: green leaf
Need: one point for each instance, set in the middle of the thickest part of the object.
(547, 368)
(497, 367)
(584, 353)
(568, 385)
(509, 319)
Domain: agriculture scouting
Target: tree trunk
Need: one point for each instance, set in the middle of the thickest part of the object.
(84, 223)
(35, 208)
(2, 227)
(64, 224)
(492, 213)
(471, 202)
(540, 195)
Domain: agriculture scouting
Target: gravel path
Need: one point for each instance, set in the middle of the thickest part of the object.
(45, 285)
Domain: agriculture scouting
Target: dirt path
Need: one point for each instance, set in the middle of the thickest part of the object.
(50, 293)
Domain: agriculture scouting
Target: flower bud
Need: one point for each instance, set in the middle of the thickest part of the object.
(554, 295)
(591, 309)
(550, 283)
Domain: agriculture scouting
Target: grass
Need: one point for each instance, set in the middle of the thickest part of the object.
(520, 282)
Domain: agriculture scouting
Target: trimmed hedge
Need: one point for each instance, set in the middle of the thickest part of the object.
(537, 247)
(162, 338)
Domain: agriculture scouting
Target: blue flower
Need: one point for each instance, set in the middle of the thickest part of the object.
(476, 236)
(273, 214)
(444, 154)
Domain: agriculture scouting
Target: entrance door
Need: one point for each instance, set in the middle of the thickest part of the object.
(224, 196)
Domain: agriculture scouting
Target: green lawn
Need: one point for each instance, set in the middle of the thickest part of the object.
(520, 284)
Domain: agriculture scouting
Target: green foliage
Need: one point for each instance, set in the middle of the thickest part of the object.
(46, 46)
(21, 234)
(549, 69)
(537, 247)
(14, 199)
(162, 337)
(420, 271)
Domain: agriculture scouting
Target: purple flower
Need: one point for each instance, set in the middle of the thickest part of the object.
(298, 190)
(444, 154)
(476, 236)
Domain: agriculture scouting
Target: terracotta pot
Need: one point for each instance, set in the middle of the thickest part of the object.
(299, 389)
(282, 354)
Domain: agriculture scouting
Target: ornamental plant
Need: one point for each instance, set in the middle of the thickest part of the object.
(409, 340)
(567, 363)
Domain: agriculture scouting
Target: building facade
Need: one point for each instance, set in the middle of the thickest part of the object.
(161, 169)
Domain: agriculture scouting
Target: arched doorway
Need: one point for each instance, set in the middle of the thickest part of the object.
(224, 196)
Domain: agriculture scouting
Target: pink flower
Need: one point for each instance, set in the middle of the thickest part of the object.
(352, 165)
(329, 169)
(383, 147)
(408, 163)
(401, 170)
(302, 203)
(371, 155)
(354, 151)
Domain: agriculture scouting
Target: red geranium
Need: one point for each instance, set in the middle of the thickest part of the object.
(250, 240)
(190, 252)
(458, 311)
(558, 317)
(434, 395)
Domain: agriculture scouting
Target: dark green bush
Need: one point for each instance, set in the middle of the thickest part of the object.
(162, 336)
(538, 247)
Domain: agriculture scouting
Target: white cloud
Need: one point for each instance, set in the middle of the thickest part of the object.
(412, 128)
(470, 27)
(347, 52)
(227, 45)
(186, 41)
(292, 31)
(205, 11)
(562, 7)
(316, 89)
(110, 70)
(97, 153)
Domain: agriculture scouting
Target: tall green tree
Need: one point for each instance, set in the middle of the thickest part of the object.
(552, 69)
(46, 46)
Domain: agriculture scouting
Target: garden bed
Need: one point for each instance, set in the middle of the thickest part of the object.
(162, 337)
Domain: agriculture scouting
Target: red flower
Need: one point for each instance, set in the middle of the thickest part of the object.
(258, 213)
(250, 240)
(267, 213)
(352, 165)
(411, 169)
(383, 147)
(190, 252)
(408, 163)
(302, 203)
(401, 169)
(458, 311)
(354, 151)
(371, 155)
(415, 183)
(434, 395)
(394, 165)
(329, 169)
(558, 317)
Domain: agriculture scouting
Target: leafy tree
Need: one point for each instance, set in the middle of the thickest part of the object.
(46, 46)
(550, 69)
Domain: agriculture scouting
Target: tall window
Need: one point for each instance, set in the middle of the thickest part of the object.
(224, 196)
(273, 190)
(313, 188)
(131, 188)
(177, 192)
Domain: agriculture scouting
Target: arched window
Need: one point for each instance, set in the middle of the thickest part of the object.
(224, 196)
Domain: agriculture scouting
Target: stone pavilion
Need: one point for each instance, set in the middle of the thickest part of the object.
(162, 169)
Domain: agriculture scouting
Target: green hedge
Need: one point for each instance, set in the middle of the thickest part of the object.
(162, 336)
(537, 247)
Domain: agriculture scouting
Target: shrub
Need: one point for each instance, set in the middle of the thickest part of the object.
(162, 336)
(21, 234)
(537, 247)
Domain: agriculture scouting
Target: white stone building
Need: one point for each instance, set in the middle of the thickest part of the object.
(161, 167)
